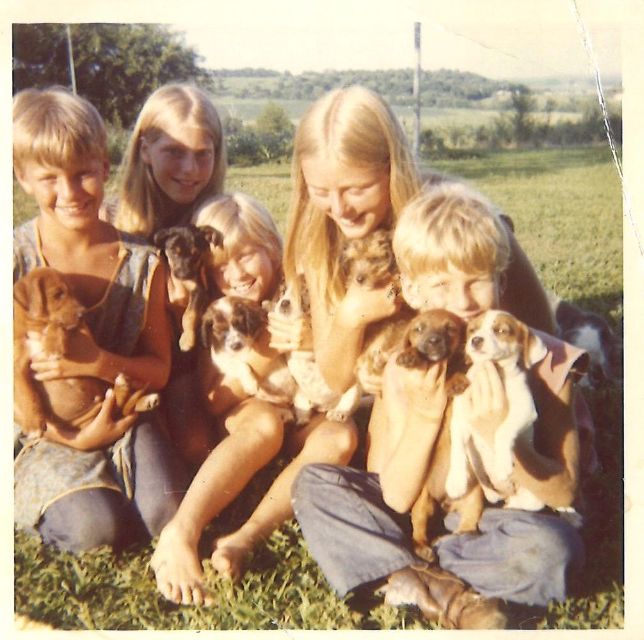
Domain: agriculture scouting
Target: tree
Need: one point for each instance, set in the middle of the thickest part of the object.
(523, 105)
(117, 65)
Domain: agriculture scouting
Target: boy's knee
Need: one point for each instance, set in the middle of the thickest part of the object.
(268, 428)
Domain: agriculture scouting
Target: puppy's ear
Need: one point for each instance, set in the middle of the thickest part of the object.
(160, 237)
(205, 332)
(251, 318)
(213, 236)
(534, 349)
(21, 294)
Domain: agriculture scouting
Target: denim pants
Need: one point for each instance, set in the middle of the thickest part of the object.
(520, 556)
(93, 517)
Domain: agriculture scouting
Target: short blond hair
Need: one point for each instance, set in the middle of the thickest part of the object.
(242, 220)
(356, 127)
(53, 127)
(139, 202)
(450, 223)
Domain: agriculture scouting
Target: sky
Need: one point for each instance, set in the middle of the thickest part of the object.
(495, 38)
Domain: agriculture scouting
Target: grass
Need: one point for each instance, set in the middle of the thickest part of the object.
(566, 206)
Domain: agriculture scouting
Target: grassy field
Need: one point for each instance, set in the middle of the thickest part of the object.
(566, 206)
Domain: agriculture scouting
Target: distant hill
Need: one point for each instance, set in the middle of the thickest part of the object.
(443, 88)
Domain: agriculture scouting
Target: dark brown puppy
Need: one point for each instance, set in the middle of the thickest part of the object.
(187, 249)
(439, 336)
(45, 309)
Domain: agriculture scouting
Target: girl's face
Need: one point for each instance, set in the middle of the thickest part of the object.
(464, 294)
(355, 198)
(248, 273)
(182, 161)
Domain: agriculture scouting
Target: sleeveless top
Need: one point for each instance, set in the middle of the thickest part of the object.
(45, 471)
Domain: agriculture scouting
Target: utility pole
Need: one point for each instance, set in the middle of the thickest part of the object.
(416, 142)
(70, 59)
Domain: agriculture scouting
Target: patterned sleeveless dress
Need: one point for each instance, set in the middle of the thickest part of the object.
(45, 471)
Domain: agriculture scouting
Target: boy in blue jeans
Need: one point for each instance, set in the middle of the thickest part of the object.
(452, 250)
(80, 489)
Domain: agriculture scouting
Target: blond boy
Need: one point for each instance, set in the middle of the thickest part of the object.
(82, 489)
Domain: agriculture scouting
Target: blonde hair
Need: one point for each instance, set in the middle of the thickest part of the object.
(139, 206)
(354, 126)
(450, 223)
(53, 127)
(242, 220)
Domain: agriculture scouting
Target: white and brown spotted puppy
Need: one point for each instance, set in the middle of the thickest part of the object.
(46, 315)
(229, 328)
(501, 338)
(313, 393)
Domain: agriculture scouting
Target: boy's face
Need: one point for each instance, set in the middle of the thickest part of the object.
(464, 294)
(71, 195)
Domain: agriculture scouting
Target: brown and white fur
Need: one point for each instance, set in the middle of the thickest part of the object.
(313, 393)
(500, 337)
(370, 263)
(187, 249)
(45, 316)
(431, 337)
(229, 328)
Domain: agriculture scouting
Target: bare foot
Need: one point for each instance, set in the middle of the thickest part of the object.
(177, 568)
(230, 552)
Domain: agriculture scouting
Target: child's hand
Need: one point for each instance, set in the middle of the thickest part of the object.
(362, 306)
(82, 359)
(423, 389)
(289, 334)
(485, 398)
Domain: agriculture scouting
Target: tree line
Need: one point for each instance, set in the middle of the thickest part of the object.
(118, 65)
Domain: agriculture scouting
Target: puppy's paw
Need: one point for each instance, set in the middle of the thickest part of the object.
(147, 402)
(409, 358)
(503, 467)
(457, 384)
(426, 553)
(187, 341)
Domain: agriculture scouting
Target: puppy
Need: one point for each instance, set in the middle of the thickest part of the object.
(187, 249)
(370, 263)
(431, 337)
(229, 328)
(590, 332)
(45, 316)
(499, 337)
(312, 393)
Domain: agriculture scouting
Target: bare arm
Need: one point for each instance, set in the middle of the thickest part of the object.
(404, 432)
(553, 475)
(150, 366)
(524, 294)
(100, 433)
(338, 333)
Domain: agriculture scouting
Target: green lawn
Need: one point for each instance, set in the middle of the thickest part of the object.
(566, 206)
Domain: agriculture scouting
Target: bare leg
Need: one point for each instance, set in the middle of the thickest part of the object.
(323, 441)
(255, 438)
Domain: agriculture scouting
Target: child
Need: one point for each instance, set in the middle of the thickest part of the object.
(453, 253)
(250, 431)
(353, 172)
(175, 159)
(66, 484)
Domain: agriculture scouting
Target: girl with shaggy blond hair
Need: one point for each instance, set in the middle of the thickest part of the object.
(175, 159)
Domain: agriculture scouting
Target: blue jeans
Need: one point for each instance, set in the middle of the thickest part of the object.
(90, 518)
(520, 556)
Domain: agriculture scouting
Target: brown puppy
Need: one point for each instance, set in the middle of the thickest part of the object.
(45, 315)
(435, 336)
(370, 263)
(187, 249)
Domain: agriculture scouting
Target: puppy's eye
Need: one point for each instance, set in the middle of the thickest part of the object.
(502, 331)
(419, 328)
(58, 294)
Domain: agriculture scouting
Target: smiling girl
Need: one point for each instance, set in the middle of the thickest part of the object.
(250, 431)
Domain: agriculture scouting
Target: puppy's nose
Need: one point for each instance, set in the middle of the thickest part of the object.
(360, 278)
(477, 342)
(285, 306)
